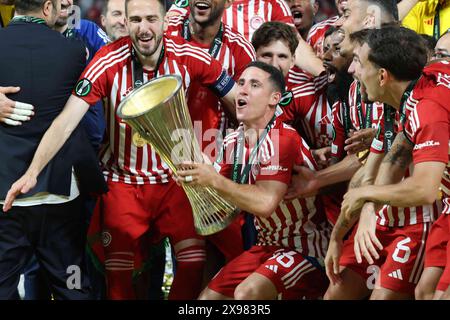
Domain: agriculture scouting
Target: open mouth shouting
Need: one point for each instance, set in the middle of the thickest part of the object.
(297, 14)
(331, 71)
(241, 103)
(202, 7)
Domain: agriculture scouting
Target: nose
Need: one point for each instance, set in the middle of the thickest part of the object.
(352, 68)
(326, 56)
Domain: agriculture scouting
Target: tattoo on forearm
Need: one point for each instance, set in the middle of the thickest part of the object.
(401, 152)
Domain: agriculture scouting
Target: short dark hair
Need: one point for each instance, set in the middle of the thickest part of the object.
(273, 31)
(360, 37)
(388, 8)
(276, 77)
(430, 42)
(399, 50)
(25, 6)
(330, 31)
(161, 2)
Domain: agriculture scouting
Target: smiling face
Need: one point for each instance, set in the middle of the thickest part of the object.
(256, 98)
(277, 54)
(114, 19)
(145, 21)
(206, 12)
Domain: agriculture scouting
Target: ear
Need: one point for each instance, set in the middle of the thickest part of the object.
(47, 8)
(316, 7)
(165, 24)
(275, 98)
(383, 77)
(103, 20)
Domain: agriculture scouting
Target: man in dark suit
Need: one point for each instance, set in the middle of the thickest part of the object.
(48, 220)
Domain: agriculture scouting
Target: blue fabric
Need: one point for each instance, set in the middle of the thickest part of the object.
(93, 38)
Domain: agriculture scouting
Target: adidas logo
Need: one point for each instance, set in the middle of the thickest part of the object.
(274, 268)
(397, 274)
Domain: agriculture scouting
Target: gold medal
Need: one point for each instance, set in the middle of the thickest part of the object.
(138, 141)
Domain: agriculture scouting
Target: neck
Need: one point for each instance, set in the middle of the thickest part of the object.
(61, 29)
(204, 34)
(254, 129)
(150, 62)
(396, 93)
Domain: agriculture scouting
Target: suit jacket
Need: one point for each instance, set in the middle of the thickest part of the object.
(46, 66)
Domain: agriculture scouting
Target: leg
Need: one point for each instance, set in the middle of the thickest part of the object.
(428, 282)
(352, 287)
(35, 282)
(256, 287)
(209, 294)
(404, 250)
(15, 250)
(60, 250)
(387, 294)
(224, 286)
(176, 221)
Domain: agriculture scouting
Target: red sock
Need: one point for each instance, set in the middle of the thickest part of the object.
(187, 282)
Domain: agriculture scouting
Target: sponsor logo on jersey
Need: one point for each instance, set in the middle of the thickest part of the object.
(275, 168)
(286, 98)
(427, 144)
(182, 3)
(83, 87)
(273, 268)
(397, 274)
(106, 238)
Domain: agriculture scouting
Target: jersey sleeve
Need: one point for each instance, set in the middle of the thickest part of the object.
(428, 128)
(278, 167)
(96, 37)
(206, 70)
(180, 7)
(92, 84)
(412, 19)
(281, 12)
(338, 142)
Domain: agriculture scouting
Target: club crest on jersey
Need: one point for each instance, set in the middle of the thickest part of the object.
(182, 3)
(83, 87)
(106, 238)
(256, 22)
(286, 99)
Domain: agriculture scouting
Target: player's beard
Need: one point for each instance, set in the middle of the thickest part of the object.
(150, 51)
(338, 90)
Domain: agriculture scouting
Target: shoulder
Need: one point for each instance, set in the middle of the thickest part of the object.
(237, 41)
(93, 31)
(179, 49)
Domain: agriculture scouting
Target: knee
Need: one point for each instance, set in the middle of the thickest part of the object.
(246, 291)
(422, 292)
(334, 292)
(207, 294)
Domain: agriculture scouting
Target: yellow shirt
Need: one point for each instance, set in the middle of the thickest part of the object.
(6, 14)
(421, 18)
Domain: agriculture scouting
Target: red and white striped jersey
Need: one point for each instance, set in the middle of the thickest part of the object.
(428, 123)
(246, 16)
(395, 216)
(309, 111)
(357, 121)
(300, 224)
(234, 53)
(316, 35)
(109, 75)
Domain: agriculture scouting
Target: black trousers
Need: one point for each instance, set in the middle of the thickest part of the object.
(56, 234)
